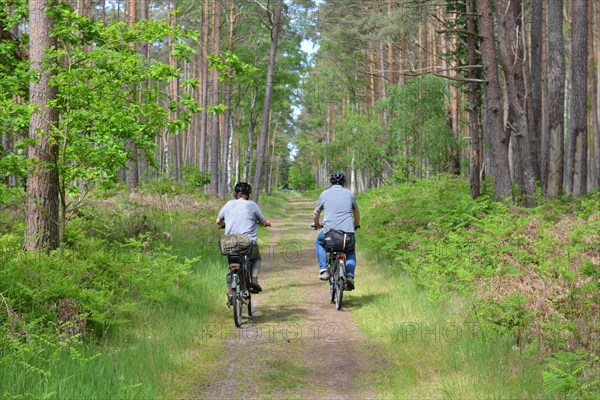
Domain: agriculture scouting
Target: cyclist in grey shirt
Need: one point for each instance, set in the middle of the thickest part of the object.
(242, 216)
(341, 213)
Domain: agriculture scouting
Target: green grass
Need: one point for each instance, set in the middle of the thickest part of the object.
(136, 362)
(283, 376)
(273, 204)
(155, 304)
(433, 351)
(466, 294)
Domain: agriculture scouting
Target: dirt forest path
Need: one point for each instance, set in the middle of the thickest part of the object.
(296, 345)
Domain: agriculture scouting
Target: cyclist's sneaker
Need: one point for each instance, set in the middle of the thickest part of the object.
(255, 287)
(349, 282)
(324, 275)
(229, 300)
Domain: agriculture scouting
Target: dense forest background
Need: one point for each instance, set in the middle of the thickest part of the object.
(100, 92)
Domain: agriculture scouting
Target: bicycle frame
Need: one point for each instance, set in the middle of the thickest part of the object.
(337, 277)
(239, 271)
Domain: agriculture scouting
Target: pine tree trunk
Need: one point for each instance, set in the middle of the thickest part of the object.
(42, 208)
(510, 32)
(596, 133)
(534, 109)
(204, 79)
(475, 150)
(173, 94)
(132, 171)
(261, 160)
(390, 50)
(493, 108)
(555, 101)
(214, 81)
(577, 167)
(227, 144)
(144, 50)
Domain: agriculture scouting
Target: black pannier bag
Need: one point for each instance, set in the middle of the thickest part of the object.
(339, 241)
(235, 244)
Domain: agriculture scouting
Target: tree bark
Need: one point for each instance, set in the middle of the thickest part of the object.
(203, 66)
(144, 50)
(578, 134)
(173, 94)
(261, 160)
(534, 105)
(227, 144)
(214, 129)
(596, 133)
(493, 107)
(475, 150)
(132, 169)
(511, 50)
(555, 101)
(390, 50)
(42, 224)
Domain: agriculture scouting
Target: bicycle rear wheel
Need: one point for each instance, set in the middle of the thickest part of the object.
(331, 291)
(339, 293)
(246, 291)
(332, 267)
(338, 285)
(237, 303)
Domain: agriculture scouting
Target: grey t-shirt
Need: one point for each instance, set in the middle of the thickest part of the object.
(242, 216)
(338, 204)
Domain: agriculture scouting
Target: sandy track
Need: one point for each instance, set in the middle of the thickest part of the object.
(296, 345)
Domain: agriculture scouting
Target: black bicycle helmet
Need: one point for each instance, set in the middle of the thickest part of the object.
(243, 187)
(337, 178)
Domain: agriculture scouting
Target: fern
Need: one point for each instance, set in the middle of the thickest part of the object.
(572, 374)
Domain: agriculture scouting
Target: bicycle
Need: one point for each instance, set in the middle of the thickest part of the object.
(238, 280)
(336, 263)
(337, 277)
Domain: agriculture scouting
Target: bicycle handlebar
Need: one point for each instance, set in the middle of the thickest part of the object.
(315, 227)
(223, 226)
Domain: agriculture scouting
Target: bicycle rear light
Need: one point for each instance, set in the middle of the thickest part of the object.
(234, 266)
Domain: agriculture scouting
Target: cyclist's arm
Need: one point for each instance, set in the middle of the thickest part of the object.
(265, 223)
(356, 214)
(220, 222)
(316, 216)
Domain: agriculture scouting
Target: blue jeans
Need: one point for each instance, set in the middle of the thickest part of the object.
(322, 256)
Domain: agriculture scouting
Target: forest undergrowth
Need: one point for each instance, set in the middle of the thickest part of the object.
(528, 275)
(109, 313)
